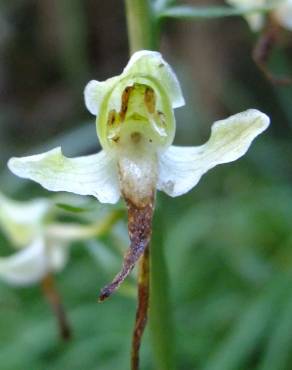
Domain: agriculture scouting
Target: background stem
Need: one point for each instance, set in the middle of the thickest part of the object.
(54, 299)
(142, 25)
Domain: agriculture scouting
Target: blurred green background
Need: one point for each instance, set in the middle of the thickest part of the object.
(228, 243)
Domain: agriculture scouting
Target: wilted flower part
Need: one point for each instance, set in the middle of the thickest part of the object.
(281, 12)
(136, 127)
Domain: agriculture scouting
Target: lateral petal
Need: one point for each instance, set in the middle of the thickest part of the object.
(180, 168)
(94, 175)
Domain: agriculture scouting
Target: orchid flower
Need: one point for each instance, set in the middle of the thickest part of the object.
(281, 12)
(136, 127)
(43, 245)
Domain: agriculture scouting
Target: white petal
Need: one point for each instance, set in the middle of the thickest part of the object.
(26, 267)
(143, 64)
(255, 20)
(180, 168)
(90, 175)
(284, 14)
(21, 221)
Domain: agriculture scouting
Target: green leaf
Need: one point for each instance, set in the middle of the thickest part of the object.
(279, 346)
(207, 12)
(250, 328)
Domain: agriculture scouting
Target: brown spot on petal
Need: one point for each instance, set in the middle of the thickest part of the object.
(150, 100)
(161, 118)
(116, 139)
(111, 117)
(125, 101)
(140, 229)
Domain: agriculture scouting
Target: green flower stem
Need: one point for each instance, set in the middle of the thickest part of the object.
(208, 12)
(107, 223)
(142, 25)
(72, 232)
(71, 23)
(143, 33)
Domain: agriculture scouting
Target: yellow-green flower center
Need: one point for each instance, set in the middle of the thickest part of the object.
(142, 117)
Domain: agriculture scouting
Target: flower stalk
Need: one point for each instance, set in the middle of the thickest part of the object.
(142, 309)
(50, 292)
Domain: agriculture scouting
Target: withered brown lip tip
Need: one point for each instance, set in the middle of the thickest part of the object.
(103, 296)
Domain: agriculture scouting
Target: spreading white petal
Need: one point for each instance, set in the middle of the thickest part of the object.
(27, 266)
(180, 168)
(143, 64)
(90, 175)
(21, 221)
